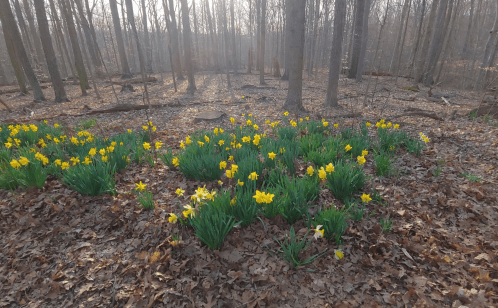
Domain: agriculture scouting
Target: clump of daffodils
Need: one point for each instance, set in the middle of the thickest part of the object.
(424, 137)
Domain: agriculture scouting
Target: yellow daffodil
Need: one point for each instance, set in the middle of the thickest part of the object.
(271, 155)
(248, 122)
(87, 160)
(319, 232)
(293, 123)
(146, 146)
(57, 162)
(338, 254)
(329, 168)
(366, 198)
(206, 138)
(172, 218)
(102, 151)
(189, 211)
(267, 122)
(104, 159)
(255, 126)
(154, 128)
(179, 192)
(336, 125)
(23, 160)
(182, 145)
(230, 158)
(253, 176)
(232, 120)
(234, 168)
(364, 153)
(175, 162)
(56, 125)
(129, 131)
(347, 148)
(56, 140)
(286, 113)
(361, 160)
(378, 124)
(75, 160)
(145, 127)
(187, 140)
(240, 183)
(140, 186)
(15, 164)
(215, 131)
(200, 143)
(110, 149)
(223, 165)
(322, 174)
(65, 165)
(221, 142)
(229, 174)
(396, 126)
(158, 145)
(368, 124)
(325, 124)
(389, 124)
(246, 139)
(8, 145)
(310, 170)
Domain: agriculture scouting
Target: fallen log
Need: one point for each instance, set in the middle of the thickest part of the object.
(421, 114)
(134, 81)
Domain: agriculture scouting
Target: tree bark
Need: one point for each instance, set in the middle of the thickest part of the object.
(294, 100)
(336, 53)
(436, 44)
(175, 42)
(262, 44)
(419, 67)
(358, 31)
(9, 25)
(3, 78)
(14, 60)
(398, 48)
(364, 42)
(24, 33)
(465, 51)
(148, 50)
(485, 63)
(92, 49)
(287, 39)
(418, 38)
(125, 68)
(34, 34)
(78, 56)
(48, 49)
(314, 38)
(187, 45)
(232, 39)
(214, 43)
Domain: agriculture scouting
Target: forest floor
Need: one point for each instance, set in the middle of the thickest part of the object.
(61, 249)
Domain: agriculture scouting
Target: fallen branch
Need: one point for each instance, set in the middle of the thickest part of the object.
(117, 108)
(445, 100)
(135, 81)
(3, 103)
(421, 114)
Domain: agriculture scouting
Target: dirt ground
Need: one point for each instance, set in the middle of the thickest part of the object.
(61, 249)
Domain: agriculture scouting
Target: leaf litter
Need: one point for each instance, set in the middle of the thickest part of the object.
(61, 249)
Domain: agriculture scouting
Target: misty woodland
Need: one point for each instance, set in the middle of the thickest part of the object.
(248, 153)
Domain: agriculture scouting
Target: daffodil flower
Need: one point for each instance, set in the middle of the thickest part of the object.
(319, 232)
(366, 198)
(179, 192)
(140, 186)
(338, 254)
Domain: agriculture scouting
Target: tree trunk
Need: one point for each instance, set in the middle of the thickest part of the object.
(417, 41)
(249, 53)
(214, 43)
(398, 48)
(148, 50)
(78, 56)
(187, 45)
(287, 39)
(131, 20)
(125, 68)
(258, 33)
(14, 60)
(224, 22)
(294, 101)
(336, 53)
(326, 31)
(358, 31)
(419, 67)
(197, 55)
(92, 49)
(9, 25)
(465, 51)
(364, 42)
(48, 49)
(3, 78)
(314, 38)
(485, 63)
(34, 34)
(263, 38)
(436, 44)
(175, 42)
(232, 32)
(24, 33)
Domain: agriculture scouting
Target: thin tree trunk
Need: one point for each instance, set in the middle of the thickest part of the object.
(78, 57)
(314, 38)
(364, 42)
(262, 44)
(14, 60)
(187, 44)
(294, 100)
(398, 61)
(418, 37)
(214, 43)
(197, 55)
(175, 42)
(419, 67)
(9, 25)
(24, 33)
(336, 53)
(287, 34)
(148, 50)
(88, 37)
(125, 68)
(232, 31)
(485, 63)
(225, 35)
(3, 77)
(48, 49)
(358, 32)
(258, 33)
(465, 51)
(34, 34)
(398, 48)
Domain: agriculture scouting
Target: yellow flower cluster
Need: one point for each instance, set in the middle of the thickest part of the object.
(424, 137)
(262, 197)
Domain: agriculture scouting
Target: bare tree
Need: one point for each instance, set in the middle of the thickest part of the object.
(294, 99)
(364, 41)
(336, 53)
(78, 56)
(148, 49)
(358, 31)
(262, 44)
(187, 44)
(125, 68)
(436, 43)
(34, 34)
(48, 49)
(9, 25)
(487, 60)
